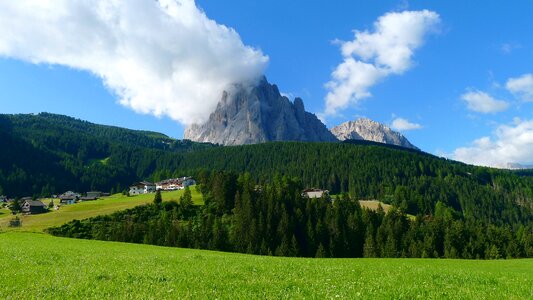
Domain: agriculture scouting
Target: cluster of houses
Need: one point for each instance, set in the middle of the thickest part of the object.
(36, 206)
(172, 184)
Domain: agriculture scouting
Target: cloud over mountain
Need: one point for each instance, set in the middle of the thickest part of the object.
(373, 56)
(165, 57)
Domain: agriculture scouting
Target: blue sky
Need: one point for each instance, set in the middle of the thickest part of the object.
(476, 48)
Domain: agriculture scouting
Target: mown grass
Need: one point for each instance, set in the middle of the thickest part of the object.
(83, 210)
(45, 267)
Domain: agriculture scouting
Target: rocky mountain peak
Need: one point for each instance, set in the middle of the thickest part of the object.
(366, 129)
(249, 115)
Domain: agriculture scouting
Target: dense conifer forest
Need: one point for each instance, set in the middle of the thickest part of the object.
(275, 219)
(47, 153)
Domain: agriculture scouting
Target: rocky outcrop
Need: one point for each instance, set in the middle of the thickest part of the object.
(250, 115)
(366, 129)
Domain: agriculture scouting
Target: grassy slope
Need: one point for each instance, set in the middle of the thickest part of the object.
(89, 209)
(374, 204)
(33, 268)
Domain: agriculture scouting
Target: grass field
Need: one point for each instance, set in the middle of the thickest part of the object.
(374, 204)
(32, 267)
(83, 210)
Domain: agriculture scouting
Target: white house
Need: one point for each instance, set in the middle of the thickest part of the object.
(314, 193)
(142, 187)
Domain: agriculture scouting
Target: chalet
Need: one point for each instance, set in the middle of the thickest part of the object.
(33, 207)
(169, 185)
(315, 193)
(142, 187)
(3, 199)
(175, 184)
(70, 195)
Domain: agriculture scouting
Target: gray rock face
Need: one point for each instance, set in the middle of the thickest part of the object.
(256, 115)
(366, 129)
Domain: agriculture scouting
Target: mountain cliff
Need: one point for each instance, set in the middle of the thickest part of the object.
(366, 129)
(251, 115)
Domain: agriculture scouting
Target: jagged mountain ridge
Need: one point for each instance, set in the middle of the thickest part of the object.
(252, 115)
(366, 129)
(256, 115)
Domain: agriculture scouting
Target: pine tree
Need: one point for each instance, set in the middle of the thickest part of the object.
(15, 206)
(157, 198)
(369, 249)
(320, 252)
(186, 202)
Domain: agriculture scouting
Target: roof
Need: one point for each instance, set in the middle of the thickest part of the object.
(67, 197)
(314, 190)
(35, 203)
(143, 183)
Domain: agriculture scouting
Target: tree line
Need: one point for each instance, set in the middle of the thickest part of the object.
(276, 219)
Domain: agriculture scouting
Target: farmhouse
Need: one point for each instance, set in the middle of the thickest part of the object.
(70, 195)
(315, 193)
(33, 207)
(142, 187)
(67, 200)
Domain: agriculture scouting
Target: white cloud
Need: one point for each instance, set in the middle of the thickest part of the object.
(372, 56)
(165, 58)
(507, 48)
(482, 102)
(402, 124)
(510, 144)
(521, 87)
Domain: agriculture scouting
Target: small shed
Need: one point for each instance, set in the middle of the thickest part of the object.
(33, 207)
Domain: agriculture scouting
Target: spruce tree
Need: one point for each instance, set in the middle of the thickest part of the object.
(157, 198)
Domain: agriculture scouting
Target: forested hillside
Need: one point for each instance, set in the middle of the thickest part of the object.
(48, 153)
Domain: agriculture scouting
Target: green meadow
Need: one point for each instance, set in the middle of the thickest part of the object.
(83, 210)
(44, 267)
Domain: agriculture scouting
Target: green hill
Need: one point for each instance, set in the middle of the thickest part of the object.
(34, 267)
